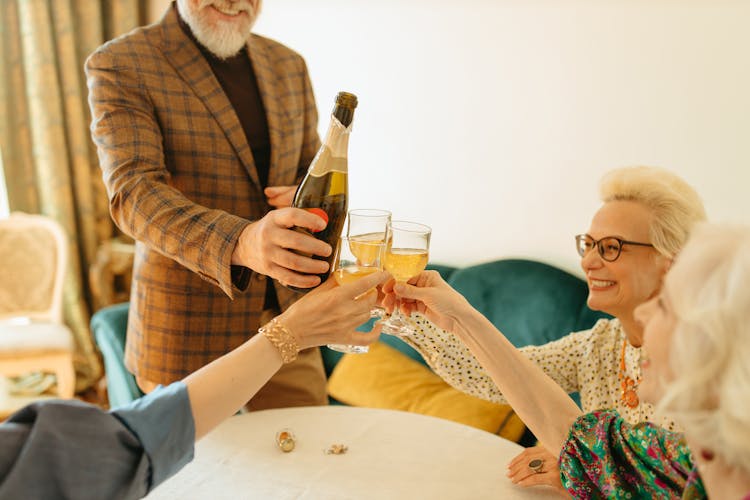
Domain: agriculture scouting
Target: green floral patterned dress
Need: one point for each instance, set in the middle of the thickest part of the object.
(605, 457)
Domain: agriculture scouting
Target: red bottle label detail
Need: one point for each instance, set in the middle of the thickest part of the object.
(320, 213)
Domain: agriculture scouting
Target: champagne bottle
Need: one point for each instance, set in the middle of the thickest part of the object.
(325, 186)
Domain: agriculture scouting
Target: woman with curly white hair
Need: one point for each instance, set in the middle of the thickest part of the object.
(696, 341)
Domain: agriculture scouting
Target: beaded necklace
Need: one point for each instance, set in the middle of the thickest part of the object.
(629, 396)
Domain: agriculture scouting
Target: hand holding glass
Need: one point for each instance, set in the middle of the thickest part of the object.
(356, 259)
(406, 255)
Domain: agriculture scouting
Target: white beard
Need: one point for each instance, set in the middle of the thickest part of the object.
(225, 39)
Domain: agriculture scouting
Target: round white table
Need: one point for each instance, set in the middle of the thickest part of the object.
(391, 455)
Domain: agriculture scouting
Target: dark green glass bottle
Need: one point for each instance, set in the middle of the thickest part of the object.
(326, 184)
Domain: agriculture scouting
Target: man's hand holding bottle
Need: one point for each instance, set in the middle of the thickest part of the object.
(272, 247)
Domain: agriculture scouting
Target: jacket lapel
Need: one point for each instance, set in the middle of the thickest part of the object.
(193, 68)
(275, 114)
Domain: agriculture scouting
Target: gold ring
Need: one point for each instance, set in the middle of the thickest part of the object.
(285, 440)
(536, 465)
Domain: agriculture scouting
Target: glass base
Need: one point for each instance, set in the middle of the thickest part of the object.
(396, 325)
(349, 349)
(378, 312)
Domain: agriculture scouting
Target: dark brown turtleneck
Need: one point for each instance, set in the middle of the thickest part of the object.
(237, 78)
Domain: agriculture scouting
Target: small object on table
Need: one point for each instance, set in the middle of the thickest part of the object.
(337, 449)
(285, 440)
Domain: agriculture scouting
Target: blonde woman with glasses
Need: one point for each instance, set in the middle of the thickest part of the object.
(646, 216)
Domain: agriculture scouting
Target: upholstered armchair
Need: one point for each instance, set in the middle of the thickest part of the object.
(33, 262)
(110, 273)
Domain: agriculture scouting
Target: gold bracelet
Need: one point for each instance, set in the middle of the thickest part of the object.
(280, 336)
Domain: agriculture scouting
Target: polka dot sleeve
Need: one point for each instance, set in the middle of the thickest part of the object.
(454, 362)
(587, 362)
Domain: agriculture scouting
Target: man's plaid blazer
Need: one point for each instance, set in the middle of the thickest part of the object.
(181, 181)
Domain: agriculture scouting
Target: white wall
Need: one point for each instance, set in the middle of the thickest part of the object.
(492, 120)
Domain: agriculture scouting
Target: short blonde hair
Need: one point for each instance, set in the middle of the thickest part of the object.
(710, 351)
(676, 207)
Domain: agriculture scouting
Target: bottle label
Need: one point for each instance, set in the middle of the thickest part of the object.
(325, 162)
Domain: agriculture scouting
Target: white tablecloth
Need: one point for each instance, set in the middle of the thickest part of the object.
(391, 455)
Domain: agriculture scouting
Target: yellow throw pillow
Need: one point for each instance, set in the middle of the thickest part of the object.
(386, 378)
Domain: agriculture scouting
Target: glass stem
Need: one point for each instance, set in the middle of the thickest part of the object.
(397, 309)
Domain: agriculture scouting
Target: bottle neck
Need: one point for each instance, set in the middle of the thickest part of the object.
(337, 138)
(343, 114)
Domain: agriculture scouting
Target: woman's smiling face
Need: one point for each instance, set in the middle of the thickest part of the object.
(620, 286)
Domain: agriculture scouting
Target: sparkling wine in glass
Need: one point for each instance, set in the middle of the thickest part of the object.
(364, 226)
(349, 267)
(367, 224)
(406, 254)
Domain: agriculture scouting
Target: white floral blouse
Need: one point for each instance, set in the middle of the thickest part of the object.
(586, 362)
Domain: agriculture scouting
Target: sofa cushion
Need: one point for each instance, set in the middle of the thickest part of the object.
(386, 378)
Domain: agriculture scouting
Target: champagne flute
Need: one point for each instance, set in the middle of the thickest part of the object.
(349, 267)
(367, 225)
(406, 253)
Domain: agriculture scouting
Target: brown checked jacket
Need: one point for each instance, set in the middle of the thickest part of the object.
(182, 182)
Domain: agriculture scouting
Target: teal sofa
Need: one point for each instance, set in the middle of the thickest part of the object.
(109, 326)
(530, 302)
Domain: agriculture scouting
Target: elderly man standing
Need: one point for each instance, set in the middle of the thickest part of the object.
(202, 129)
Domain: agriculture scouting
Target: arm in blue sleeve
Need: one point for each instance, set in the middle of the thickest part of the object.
(69, 449)
(163, 423)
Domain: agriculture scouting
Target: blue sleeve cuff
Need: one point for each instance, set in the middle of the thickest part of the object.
(163, 423)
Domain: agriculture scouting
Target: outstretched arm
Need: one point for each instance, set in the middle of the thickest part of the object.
(441, 349)
(328, 314)
(543, 406)
(127, 452)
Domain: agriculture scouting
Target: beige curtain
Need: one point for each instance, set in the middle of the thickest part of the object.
(48, 157)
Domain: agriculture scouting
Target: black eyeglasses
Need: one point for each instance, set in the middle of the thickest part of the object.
(609, 247)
